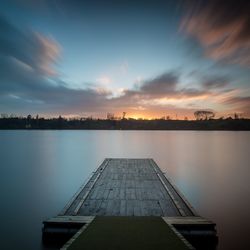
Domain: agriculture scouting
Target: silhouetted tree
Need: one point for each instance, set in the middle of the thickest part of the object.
(204, 115)
(36, 122)
(28, 121)
(238, 116)
(4, 116)
(110, 116)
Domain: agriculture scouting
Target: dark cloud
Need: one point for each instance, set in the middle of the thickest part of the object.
(222, 27)
(166, 86)
(215, 83)
(191, 92)
(163, 84)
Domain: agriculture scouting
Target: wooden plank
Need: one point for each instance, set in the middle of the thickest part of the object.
(96, 207)
(189, 220)
(70, 219)
(144, 208)
(167, 209)
(137, 208)
(127, 180)
(110, 207)
(102, 208)
(74, 197)
(92, 183)
(186, 206)
(122, 194)
(84, 210)
(106, 193)
(111, 193)
(117, 193)
(176, 203)
(116, 207)
(85, 196)
(123, 207)
(130, 208)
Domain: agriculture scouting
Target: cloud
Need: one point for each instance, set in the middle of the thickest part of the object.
(29, 83)
(215, 83)
(27, 61)
(49, 52)
(159, 93)
(222, 27)
(240, 101)
(239, 104)
(166, 85)
(28, 78)
(161, 85)
(29, 48)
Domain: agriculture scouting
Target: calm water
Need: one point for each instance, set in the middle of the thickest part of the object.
(40, 171)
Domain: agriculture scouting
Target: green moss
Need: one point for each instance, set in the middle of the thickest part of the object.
(118, 233)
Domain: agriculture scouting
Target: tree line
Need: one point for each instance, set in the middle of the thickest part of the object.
(203, 122)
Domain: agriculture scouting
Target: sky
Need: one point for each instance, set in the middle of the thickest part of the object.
(150, 59)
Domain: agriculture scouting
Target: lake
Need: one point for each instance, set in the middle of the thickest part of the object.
(41, 170)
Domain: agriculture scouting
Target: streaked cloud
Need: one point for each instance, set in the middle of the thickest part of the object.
(222, 27)
(49, 52)
(215, 82)
(30, 49)
(240, 103)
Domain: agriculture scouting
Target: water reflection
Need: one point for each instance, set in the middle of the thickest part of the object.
(42, 169)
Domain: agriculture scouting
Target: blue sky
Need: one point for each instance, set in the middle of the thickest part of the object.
(81, 58)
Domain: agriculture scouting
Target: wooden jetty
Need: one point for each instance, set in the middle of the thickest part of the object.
(121, 189)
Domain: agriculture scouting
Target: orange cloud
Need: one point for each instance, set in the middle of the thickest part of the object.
(222, 28)
(49, 53)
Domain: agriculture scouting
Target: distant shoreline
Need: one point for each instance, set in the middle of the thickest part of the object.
(124, 124)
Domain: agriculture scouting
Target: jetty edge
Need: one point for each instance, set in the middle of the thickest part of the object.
(129, 200)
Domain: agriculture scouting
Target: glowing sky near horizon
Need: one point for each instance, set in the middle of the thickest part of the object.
(147, 58)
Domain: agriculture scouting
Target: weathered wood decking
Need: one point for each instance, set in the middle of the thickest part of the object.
(128, 187)
(131, 188)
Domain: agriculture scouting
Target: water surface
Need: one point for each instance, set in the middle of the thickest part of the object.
(41, 170)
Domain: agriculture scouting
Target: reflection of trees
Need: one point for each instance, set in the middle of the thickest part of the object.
(204, 114)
